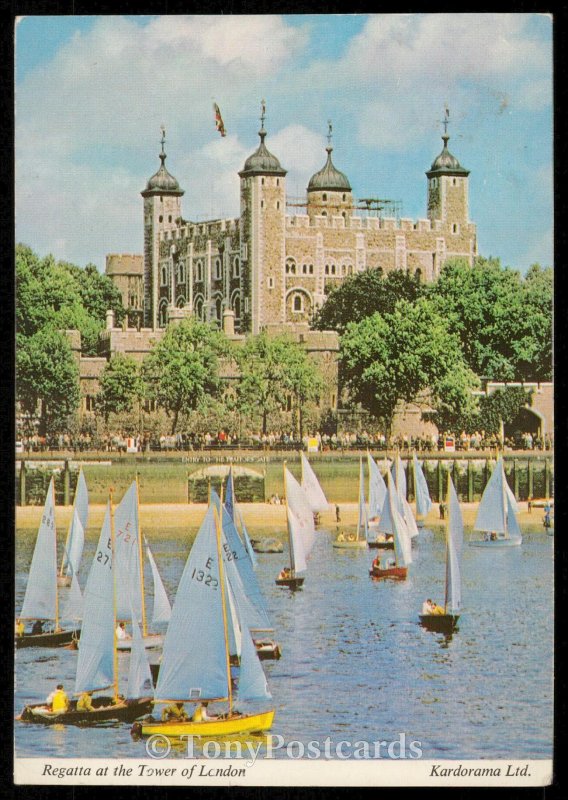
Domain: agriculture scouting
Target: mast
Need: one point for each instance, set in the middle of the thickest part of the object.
(447, 547)
(55, 545)
(66, 548)
(290, 545)
(141, 560)
(505, 521)
(115, 649)
(223, 598)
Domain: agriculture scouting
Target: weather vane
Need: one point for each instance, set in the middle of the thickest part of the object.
(329, 131)
(262, 111)
(446, 120)
(163, 139)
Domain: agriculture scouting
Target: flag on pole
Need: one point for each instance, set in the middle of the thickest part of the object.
(219, 124)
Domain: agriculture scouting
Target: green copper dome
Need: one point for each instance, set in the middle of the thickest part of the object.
(329, 178)
(262, 161)
(162, 182)
(446, 162)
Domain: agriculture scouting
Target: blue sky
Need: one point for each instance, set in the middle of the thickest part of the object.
(92, 92)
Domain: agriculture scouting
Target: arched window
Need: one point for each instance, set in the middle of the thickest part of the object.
(164, 276)
(217, 269)
(163, 313)
(219, 309)
(326, 269)
(324, 197)
(311, 269)
(199, 270)
(380, 272)
(333, 269)
(324, 213)
(180, 302)
(199, 308)
(236, 267)
(290, 266)
(297, 303)
(237, 307)
(304, 269)
(418, 274)
(344, 197)
(181, 272)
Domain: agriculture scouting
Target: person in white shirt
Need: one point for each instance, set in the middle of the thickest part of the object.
(121, 632)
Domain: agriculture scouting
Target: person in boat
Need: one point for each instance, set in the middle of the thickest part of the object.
(121, 632)
(20, 628)
(201, 714)
(285, 573)
(85, 702)
(493, 536)
(37, 627)
(58, 701)
(175, 712)
(376, 563)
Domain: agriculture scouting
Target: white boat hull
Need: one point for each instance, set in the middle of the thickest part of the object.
(150, 641)
(346, 545)
(496, 543)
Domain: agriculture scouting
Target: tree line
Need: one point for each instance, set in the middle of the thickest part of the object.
(400, 341)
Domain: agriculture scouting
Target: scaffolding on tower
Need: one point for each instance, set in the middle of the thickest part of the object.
(370, 206)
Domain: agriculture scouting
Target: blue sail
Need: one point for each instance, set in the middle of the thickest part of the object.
(252, 680)
(377, 488)
(423, 501)
(236, 516)
(455, 546)
(230, 495)
(77, 528)
(139, 673)
(254, 612)
(72, 608)
(95, 662)
(194, 660)
(127, 556)
(40, 600)
(246, 540)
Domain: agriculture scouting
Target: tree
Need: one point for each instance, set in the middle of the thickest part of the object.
(504, 322)
(500, 408)
(47, 379)
(272, 367)
(182, 370)
(361, 295)
(387, 359)
(121, 386)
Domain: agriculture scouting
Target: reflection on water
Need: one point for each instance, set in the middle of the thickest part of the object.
(356, 664)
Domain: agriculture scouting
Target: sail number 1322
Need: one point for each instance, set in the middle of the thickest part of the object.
(205, 577)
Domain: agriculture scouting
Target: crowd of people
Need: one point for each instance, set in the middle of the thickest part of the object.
(278, 440)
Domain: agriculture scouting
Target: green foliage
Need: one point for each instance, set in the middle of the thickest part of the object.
(392, 358)
(121, 386)
(182, 370)
(61, 296)
(361, 295)
(504, 322)
(503, 405)
(271, 368)
(47, 372)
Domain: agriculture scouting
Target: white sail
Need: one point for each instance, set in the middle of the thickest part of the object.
(72, 606)
(311, 486)
(77, 527)
(234, 629)
(40, 600)
(385, 524)
(127, 555)
(139, 673)
(297, 539)
(95, 662)
(252, 680)
(297, 502)
(491, 511)
(399, 476)
(408, 517)
(401, 535)
(194, 660)
(162, 609)
(455, 546)
(513, 528)
(362, 522)
(510, 495)
(246, 540)
(423, 501)
(377, 488)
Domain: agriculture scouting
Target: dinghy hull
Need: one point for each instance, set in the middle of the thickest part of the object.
(440, 623)
(104, 710)
(239, 723)
(495, 543)
(291, 583)
(394, 573)
(54, 639)
(378, 545)
(349, 544)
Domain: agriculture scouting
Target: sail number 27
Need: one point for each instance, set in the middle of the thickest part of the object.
(205, 577)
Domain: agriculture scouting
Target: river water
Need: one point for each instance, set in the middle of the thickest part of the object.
(355, 663)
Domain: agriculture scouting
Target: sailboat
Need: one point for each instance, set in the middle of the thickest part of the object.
(423, 501)
(447, 622)
(358, 539)
(244, 583)
(399, 477)
(97, 662)
(237, 518)
(41, 600)
(316, 498)
(196, 658)
(496, 513)
(300, 525)
(377, 495)
(392, 522)
(76, 534)
(130, 572)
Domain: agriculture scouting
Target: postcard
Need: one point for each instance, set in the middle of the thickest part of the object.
(285, 420)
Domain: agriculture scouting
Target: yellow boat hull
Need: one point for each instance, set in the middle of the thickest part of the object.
(245, 723)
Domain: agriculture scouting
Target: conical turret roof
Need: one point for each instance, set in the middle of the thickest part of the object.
(262, 161)
(162, 182)
(446, 162)
(329, 178)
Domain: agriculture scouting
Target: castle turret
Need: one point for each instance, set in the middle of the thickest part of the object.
(329, 191)
(448, 188)
(162, 210)
(263, 216)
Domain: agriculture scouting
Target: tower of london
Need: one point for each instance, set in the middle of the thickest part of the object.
(271, 267)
